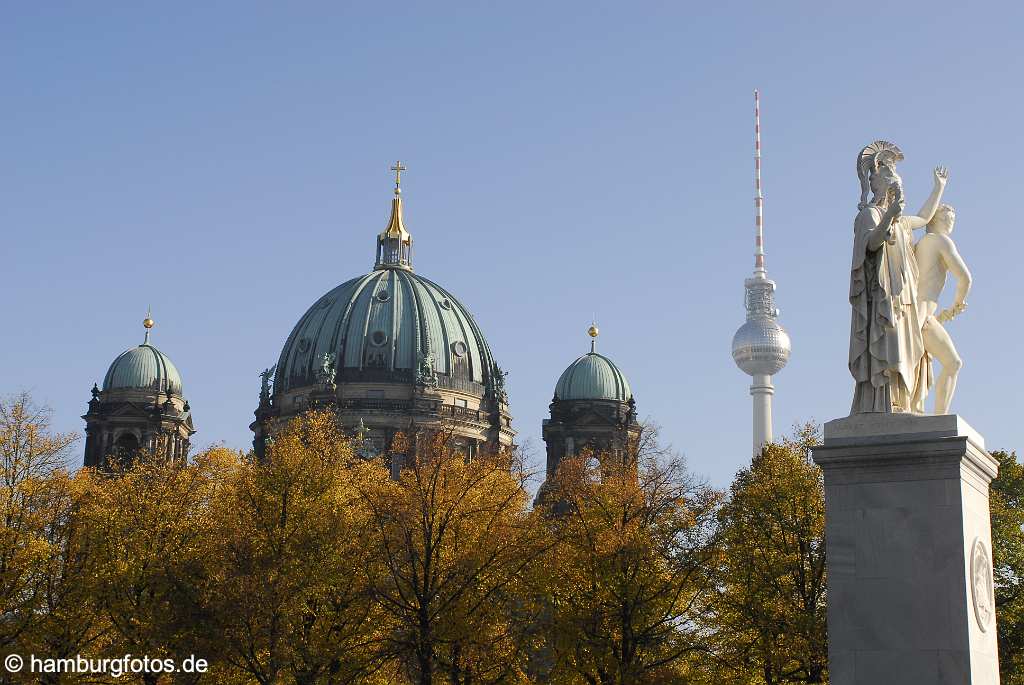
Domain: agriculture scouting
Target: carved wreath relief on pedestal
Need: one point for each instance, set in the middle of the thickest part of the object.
(981, 585)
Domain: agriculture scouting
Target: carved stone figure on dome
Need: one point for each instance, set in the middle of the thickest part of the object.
(325, 374)
(265, 377)
(887, 352)
(937, 255)
(426, 375)
(499, 383)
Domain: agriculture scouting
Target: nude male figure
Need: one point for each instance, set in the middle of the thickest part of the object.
(936, 256)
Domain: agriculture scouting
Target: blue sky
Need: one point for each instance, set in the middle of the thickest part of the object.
(227, 163)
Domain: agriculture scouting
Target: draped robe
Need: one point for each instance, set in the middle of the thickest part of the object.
(887, 357)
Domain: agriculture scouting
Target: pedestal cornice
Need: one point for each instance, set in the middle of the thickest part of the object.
(875, 447)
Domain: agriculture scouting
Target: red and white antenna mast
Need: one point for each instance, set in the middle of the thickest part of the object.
(758, 196)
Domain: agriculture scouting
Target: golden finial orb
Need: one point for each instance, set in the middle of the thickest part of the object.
(593, 331)
(147, 323)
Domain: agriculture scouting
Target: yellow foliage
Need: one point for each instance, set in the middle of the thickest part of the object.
(287, 589)
(625, 583)
(454, 543)
(32, 495)
(315, 567)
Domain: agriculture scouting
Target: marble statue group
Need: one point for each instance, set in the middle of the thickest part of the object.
(908, 532)
(896, 328)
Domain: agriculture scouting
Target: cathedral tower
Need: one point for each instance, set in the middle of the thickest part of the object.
(593, 408)
(141, 406)
(761, 346)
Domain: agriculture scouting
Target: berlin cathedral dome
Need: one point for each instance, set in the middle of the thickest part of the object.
(141, 406)
(390, 323)
(393, 352)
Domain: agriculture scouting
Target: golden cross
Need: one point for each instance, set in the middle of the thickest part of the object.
(398, 169)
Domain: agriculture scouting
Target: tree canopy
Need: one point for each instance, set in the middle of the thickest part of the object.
(317, 565)
(769, 614)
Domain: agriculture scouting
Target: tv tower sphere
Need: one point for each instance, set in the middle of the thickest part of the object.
(761, 345)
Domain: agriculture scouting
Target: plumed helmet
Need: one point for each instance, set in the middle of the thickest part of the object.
(870, 158)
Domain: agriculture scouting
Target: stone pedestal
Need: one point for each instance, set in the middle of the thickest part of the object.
(909, 551)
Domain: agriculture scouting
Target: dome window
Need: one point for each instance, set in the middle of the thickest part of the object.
(383, 295)
(303, 345)
(379, 338)
(445, 303)
(459, 348)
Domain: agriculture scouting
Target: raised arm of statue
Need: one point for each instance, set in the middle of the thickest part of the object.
(927, 211)
(955, 263)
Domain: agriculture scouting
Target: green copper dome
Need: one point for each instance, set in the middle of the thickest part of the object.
(593, 377)
(383, 327)
(143, 368)
(392, 327)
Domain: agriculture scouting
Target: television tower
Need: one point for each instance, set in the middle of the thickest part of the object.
(761, 345)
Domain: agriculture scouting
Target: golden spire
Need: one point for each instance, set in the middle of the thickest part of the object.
(394, 244)
(148, 323)
(398, 169)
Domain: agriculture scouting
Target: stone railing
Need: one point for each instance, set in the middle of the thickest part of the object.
(451, 411)
(371, 404)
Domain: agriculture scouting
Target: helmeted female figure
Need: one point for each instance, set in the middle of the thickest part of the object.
(887, 354)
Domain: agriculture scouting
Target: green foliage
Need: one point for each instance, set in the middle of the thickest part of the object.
(1006, 504)
(769, 615)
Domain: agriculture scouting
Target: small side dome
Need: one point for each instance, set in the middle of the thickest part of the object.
(593, 377)
(143, 368)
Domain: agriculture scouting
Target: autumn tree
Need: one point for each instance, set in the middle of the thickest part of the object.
(288, 594)
(30, 453)
(454, 540)
(629, 575)
(69, 619)
(148, 524)
(769, 613)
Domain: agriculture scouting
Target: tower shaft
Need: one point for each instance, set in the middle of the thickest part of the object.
(761, 390)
